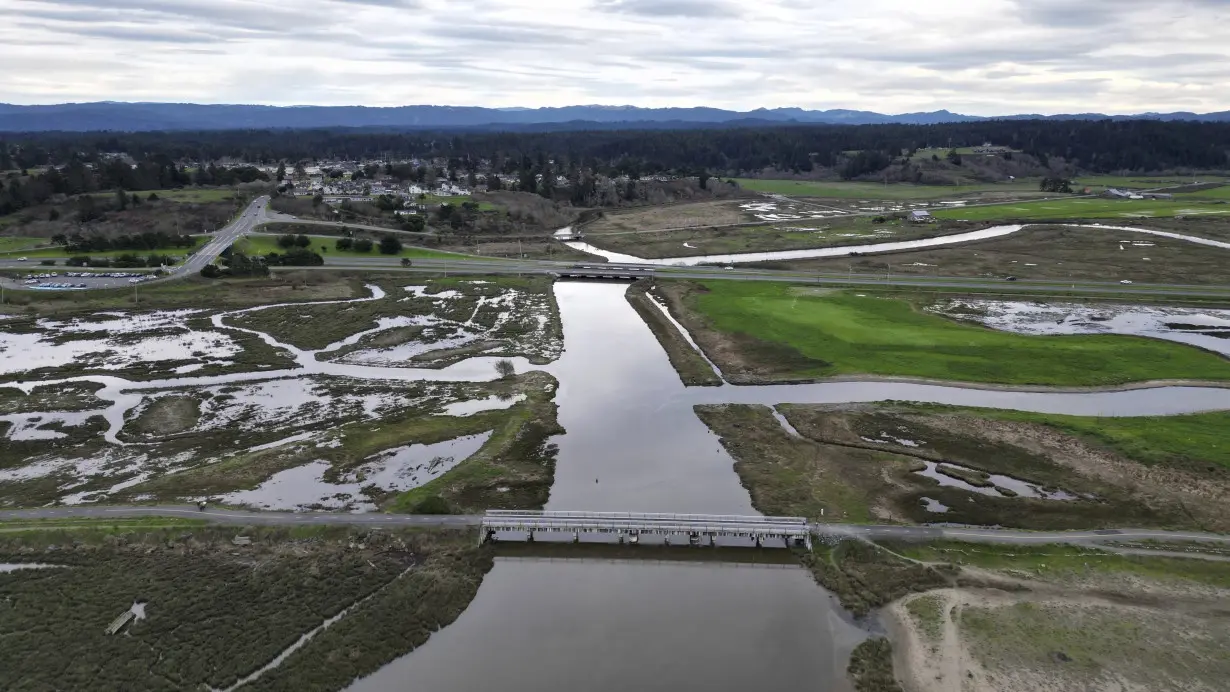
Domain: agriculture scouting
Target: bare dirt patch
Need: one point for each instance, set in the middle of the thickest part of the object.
(697, 214)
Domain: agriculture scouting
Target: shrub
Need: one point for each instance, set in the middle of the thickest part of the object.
(363, 245)
(390, 245)
(432, 504)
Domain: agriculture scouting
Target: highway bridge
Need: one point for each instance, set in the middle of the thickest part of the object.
(625, 526)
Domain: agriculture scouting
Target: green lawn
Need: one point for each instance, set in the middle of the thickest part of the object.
(844, 333)
(17, 244)
(871, 191)
(1159, 440)
(1221, 193)
(1086, 208)
(265, 244)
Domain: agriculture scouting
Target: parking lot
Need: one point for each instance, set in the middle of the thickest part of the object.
(75, 280)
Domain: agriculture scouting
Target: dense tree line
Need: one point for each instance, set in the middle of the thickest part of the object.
(78, 176)
(135, 241)
(1098, 146)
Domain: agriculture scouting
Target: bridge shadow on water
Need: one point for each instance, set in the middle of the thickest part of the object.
(769, 557)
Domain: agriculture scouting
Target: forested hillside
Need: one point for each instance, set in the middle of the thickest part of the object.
(1094, 146)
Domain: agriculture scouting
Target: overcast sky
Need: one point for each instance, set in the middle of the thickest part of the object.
(982, 57)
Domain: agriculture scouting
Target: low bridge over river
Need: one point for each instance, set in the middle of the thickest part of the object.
(630, 527)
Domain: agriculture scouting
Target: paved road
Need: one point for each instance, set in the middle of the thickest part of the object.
(256, 214)
(242, 517)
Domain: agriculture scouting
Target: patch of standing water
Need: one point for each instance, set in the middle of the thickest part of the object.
(1076, 318)
(934, 506)
(885, 439)
(395, 470)
(491, 403)
(6, 567)
(1021, 488)
(32, 426)
(781, 419)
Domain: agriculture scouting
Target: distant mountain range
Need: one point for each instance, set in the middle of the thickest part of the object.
(136, 117)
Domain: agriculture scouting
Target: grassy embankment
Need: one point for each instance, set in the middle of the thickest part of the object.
(1065, 617)
(851, 466)
(216, 612)
(11, 244)
(691, 366)
(1061, 254)
(326, 246)
(840, 231)
(760, 331)
(1192, 440)
(193, 292)
(872, 191)
(1120, 210)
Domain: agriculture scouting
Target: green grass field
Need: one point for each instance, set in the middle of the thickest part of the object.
(1220, 193)
(1159, 440)
(17, 244)
(1086, 208)
(457, 201)
(1052, 561)
(265, 244)
(871, 191)
(844, 333)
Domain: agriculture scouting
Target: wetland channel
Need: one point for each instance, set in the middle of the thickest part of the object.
(633, 443)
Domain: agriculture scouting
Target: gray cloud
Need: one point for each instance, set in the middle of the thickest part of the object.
(886, 55)
(671, 8)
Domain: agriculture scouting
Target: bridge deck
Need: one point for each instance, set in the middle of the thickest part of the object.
(710, 525)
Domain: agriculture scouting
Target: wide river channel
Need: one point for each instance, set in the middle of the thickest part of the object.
(633, 443)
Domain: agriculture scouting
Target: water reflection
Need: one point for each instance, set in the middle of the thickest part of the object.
(599, 625)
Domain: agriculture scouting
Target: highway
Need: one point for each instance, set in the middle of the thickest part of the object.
(256, 214)
(915, 533)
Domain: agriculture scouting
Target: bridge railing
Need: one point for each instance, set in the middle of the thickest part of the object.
(647, 517)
